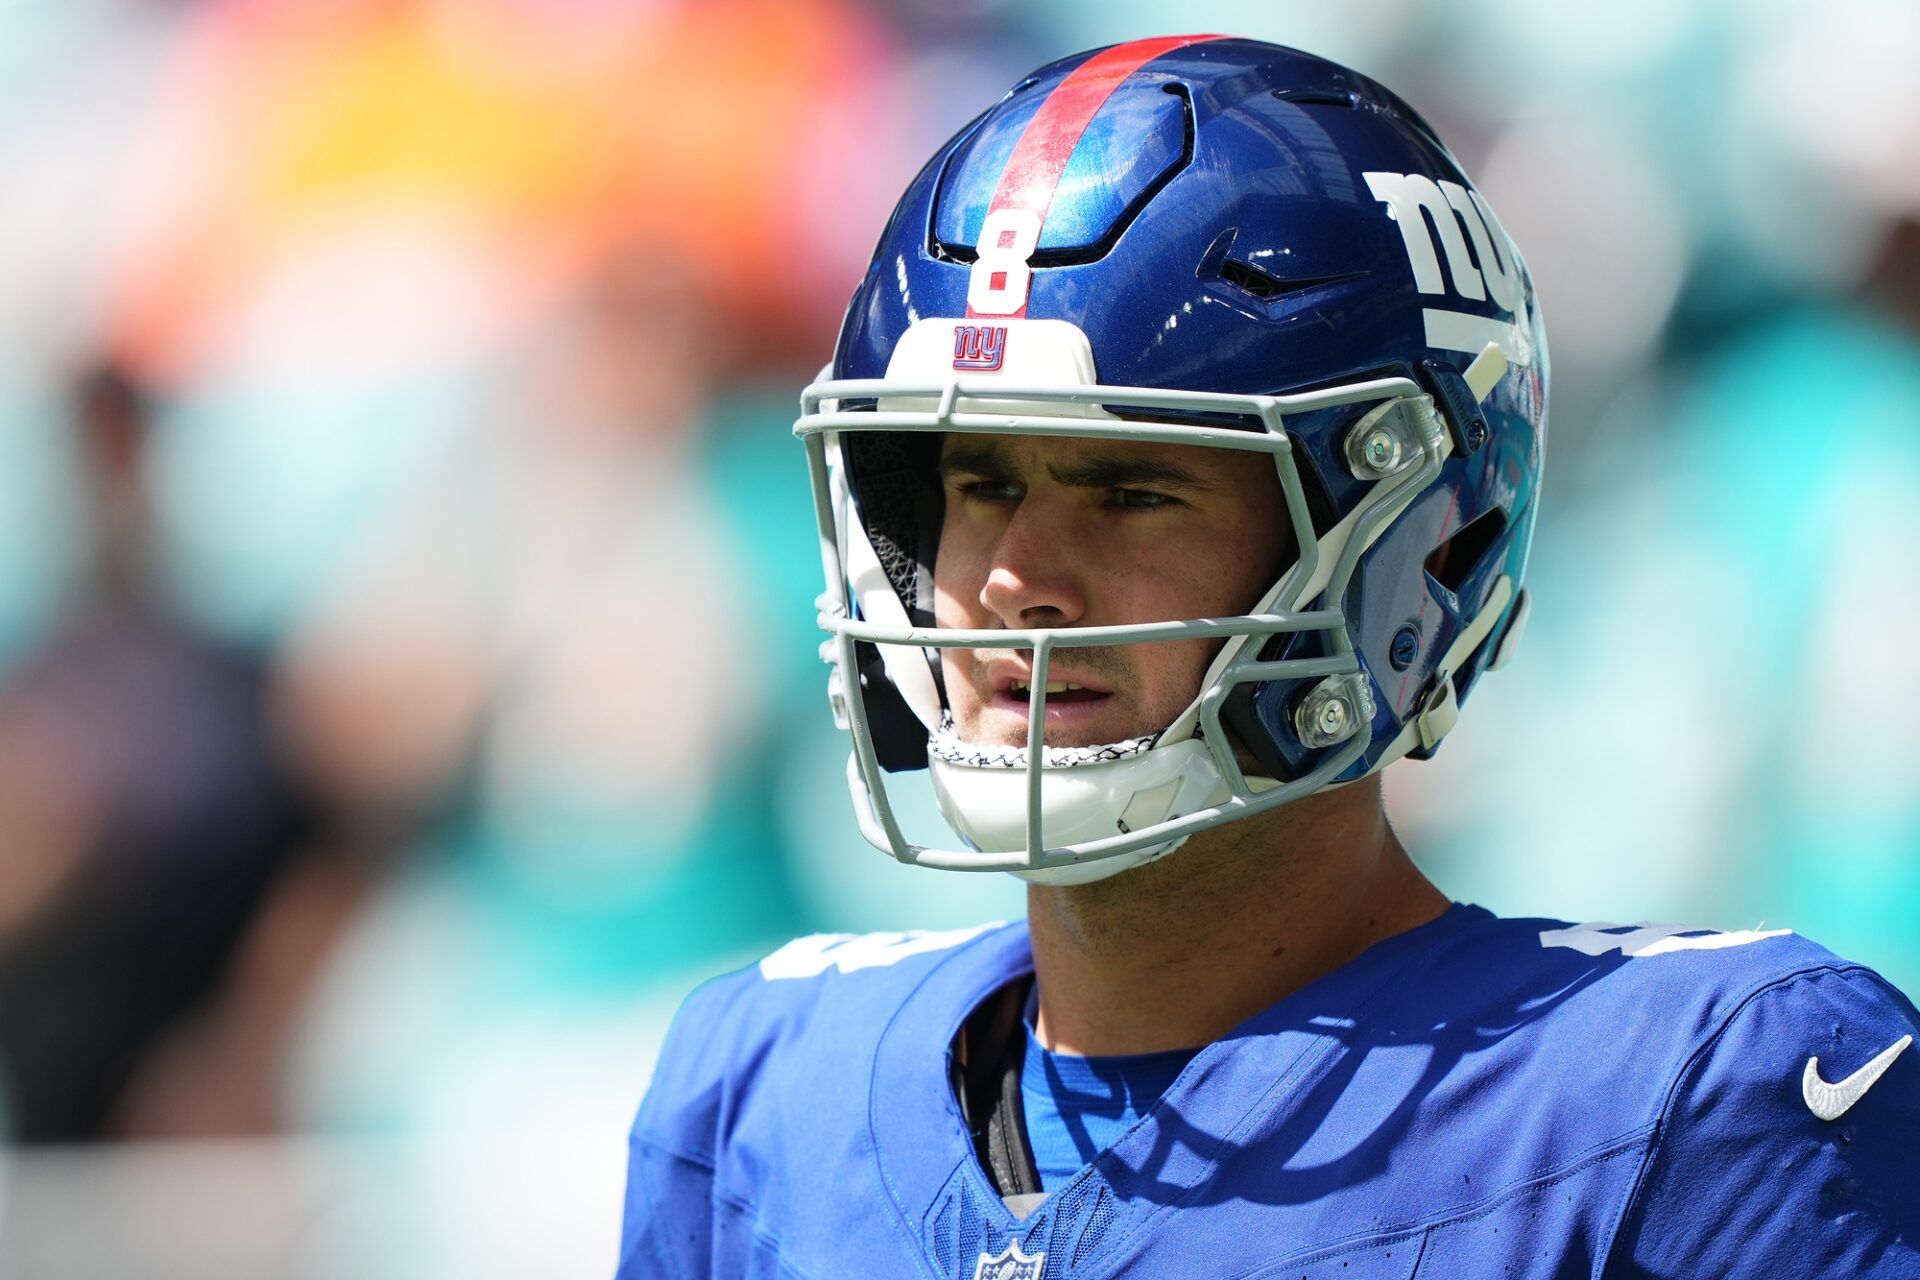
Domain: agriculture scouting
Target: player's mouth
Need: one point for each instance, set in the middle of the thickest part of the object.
(1073, 700)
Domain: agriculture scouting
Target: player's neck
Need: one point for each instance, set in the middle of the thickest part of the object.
(1179, 952)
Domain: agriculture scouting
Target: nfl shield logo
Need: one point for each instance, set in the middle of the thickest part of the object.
(1011, 1264)
(979, 346)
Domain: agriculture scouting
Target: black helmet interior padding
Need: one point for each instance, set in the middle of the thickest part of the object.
(894, 479)
(895, 482)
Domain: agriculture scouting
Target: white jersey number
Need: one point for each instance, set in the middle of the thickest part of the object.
(812, 956)
(1638, 941)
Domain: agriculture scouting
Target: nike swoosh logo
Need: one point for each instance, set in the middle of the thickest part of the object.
(1831, 1101)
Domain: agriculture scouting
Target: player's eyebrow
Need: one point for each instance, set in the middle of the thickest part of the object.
(1125, 471)
(1109, 471)
(981, 459)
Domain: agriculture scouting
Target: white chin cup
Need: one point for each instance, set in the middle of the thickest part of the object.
(986, 802)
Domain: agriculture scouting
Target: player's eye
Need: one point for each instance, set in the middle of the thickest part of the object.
(1141, 499)
(988, 490)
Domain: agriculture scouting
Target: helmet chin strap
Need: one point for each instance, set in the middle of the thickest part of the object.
(1085, 794)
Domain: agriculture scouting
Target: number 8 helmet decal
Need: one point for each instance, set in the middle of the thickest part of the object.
(997, 285)
(1193, 240)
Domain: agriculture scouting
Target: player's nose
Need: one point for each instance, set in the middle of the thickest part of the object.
(1038, 574)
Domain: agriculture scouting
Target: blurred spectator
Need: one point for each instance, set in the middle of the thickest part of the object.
(542, 657)
(142, 816)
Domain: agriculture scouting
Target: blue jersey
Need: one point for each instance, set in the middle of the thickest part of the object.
(1076, 1106)
(1478, 1097)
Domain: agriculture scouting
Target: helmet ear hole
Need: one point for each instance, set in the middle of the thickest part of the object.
(1452, 562)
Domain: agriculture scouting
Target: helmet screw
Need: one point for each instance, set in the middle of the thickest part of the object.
(1382, 450)
(1388, 438)
(1405, 648)
(1333, 718)
(1335, 710)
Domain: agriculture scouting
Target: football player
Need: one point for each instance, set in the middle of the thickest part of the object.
(1175, 473)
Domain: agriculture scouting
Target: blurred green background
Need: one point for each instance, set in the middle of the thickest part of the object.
(408, 685)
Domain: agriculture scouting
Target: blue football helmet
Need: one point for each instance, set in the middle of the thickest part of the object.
(1207, 241)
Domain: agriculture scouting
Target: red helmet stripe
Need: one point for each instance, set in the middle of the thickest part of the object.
(1040, 157)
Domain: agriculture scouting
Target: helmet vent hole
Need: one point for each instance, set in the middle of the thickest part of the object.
(1319, 97)
(1250, 279)
(1263, 286)
(1453, 561)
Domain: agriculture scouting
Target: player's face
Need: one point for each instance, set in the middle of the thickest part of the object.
(1045, 531)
